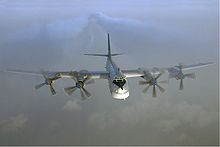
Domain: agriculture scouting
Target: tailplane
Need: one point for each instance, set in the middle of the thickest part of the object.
(109, 55)
(104, 55)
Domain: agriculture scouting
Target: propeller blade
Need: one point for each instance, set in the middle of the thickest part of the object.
(74, 78)
(88, 94)
(52, 89)
(146, 89)
(91, 81)
(82, 94)
(181, 84)
(190, 75)
(143, 82)
(154, 94)
(86, 79)
(43, 74)
(39, 86)
(158, 76)
(70, 90)
(160, 88)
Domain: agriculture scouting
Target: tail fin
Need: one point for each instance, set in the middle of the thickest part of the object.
(109, 47)
(109, 55)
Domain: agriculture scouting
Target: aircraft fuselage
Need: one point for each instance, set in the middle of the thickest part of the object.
(118, 84)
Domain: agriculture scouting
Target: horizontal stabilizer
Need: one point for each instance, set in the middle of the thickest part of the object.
(116, 54)
(104, 55)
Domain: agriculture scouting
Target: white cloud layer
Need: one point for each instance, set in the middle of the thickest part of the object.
(14, 123)
(72, 105)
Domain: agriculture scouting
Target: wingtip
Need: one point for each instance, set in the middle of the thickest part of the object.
(211, 63)
(208, 63)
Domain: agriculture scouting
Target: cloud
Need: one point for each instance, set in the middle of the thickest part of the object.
(181, 120)
(72, 105)
(58, 30)
(182, 138)
(14, 123)
(43, 43)
(169, 126)
(195, 115)
(102, 120)
(70, 36)
(148, 32)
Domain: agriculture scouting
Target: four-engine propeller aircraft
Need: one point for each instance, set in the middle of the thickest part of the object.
(117, 78)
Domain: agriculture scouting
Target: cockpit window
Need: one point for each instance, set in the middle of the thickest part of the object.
(119, 82)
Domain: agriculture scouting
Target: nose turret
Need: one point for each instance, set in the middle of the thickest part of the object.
(119, 82)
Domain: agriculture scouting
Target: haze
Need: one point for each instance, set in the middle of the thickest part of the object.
(54, 35)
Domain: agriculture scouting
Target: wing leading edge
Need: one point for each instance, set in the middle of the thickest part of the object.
(64, 74)
(140, 71)
(104, 74)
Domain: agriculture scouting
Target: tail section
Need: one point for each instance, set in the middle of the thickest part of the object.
(109, 55)
(109, 47)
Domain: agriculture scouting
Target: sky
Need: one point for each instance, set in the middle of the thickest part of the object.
(54, 35)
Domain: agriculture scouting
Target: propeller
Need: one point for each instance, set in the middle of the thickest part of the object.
(153, 82)
(180, 76)
(80, 84)
(48, 81)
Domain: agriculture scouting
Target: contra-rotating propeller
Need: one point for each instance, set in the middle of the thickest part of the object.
(48, 81)
(180, 76)
(80, 84)
(152, 81)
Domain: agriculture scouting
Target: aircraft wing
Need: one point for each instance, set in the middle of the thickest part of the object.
(63, 74)
(39, 73)
(187, 67)
(16, 71)
(133, 73)
(140, 72)
(93, 74)
(195, 66)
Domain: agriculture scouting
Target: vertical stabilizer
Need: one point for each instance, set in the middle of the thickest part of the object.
(109, 47)
(109, 55)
